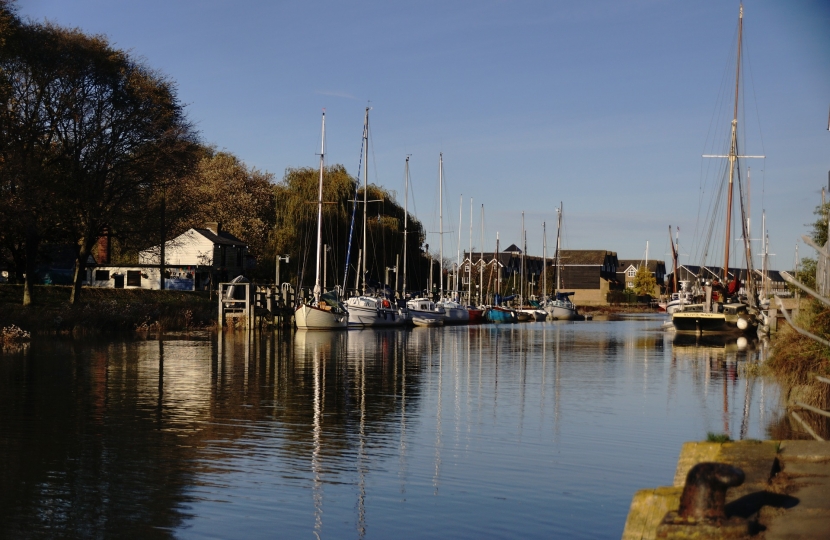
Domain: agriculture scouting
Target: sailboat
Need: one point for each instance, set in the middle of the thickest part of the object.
(325, 312)
(422, 311)
(560, 306)
(454, 312)
(365, 309)
(730, 314)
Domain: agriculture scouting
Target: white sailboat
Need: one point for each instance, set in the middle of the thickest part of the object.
(368, 310)
(454, 312)
(560, 306)
(323, 313)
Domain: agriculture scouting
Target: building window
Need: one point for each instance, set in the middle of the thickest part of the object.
(632, 272)
(239, 257)
(630, 284)
(133, 278)
(102, 275)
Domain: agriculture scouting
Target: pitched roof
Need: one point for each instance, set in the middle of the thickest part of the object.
(223, 238)
(585, 256)
(512, 249)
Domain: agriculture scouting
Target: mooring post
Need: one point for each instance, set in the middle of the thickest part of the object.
(221, 308)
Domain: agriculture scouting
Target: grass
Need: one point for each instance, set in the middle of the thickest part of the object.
(104, 310)
(796, 359)
(717, 437)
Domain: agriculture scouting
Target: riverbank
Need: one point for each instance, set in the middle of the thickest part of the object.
(105, 310)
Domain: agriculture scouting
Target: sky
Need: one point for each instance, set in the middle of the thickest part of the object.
(602, 105)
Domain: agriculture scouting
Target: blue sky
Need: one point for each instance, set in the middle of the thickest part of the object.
(604, 105)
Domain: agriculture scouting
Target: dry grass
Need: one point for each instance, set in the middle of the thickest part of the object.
(797, 359)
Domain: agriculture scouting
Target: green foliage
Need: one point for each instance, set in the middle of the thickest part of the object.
(819, 226)
(717, 437)
(644, 282)
(295, 229)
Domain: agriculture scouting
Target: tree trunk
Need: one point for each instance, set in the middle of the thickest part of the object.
(80, 271)
(31, 248)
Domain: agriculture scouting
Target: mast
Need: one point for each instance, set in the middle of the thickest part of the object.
(544, 263)
(557, 261)
(674, 259)
(498, 266)
(405, 223)
(481, 262)
(317, 288)
(733, 151)
(458, 255)
(365, 192)
(470, 266)
(441, 225)
(522, 268)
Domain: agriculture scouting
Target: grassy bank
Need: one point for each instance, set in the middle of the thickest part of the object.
(105, 310)
(797, 359)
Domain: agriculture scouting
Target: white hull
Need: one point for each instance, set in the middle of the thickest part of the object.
(314, 318)
(537, 315)
(364, 311)
(427, 319)
(561, 313)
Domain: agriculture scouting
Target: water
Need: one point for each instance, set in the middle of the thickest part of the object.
(536, 430)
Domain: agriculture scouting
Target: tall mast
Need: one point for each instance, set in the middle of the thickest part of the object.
(498, 266)
(733, 150)
(365, 191)
(522, 269)
(674, 259)
(441, 225)
(317, 288)
(544, 262)
(481, 262)
(458, 255)
(405, 223)
(470, 266)
(558, 277)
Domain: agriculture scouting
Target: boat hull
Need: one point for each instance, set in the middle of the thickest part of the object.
(456, 316)
(700, 322)
(314, 318)
(476, 316)
(502, 315)
(367, 315)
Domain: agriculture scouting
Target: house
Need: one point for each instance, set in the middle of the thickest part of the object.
(627, 269)
(193, 260)
(690, 273)
(590, 274)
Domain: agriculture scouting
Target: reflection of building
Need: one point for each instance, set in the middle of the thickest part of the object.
(193, 260)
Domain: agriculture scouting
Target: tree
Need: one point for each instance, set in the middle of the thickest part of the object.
(644, 282)
(121, 135)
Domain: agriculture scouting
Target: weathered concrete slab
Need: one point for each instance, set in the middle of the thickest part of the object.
(648, 507)
(787, 488)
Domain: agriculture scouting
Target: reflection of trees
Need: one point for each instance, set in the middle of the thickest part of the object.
(80, 459)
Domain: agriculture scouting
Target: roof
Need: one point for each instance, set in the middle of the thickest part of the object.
(512, 249)
(585, 256)
(653, 264)
(223, 238)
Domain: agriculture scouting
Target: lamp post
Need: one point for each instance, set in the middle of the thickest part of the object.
(280, 258)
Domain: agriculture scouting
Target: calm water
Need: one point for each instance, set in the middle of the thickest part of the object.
(538, 430)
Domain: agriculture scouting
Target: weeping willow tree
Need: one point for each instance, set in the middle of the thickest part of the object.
(295, 231)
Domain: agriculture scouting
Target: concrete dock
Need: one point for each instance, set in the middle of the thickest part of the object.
(786, 492)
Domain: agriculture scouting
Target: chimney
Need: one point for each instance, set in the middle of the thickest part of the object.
(104, 254)
(213, 226)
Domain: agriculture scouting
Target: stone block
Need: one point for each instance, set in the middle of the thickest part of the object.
(648, 507)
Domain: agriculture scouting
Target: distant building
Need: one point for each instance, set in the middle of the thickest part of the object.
(589, 274)
(193, 260)
(627, 269)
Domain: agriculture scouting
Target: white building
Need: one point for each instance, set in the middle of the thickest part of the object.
(193, 261)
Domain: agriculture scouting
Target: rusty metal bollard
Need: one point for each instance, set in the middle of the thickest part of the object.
(702, 512)
(704, 495)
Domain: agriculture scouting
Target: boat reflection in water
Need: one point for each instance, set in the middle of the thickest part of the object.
(427, 432)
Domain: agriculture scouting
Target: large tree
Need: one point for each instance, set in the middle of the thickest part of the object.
(122, 135)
